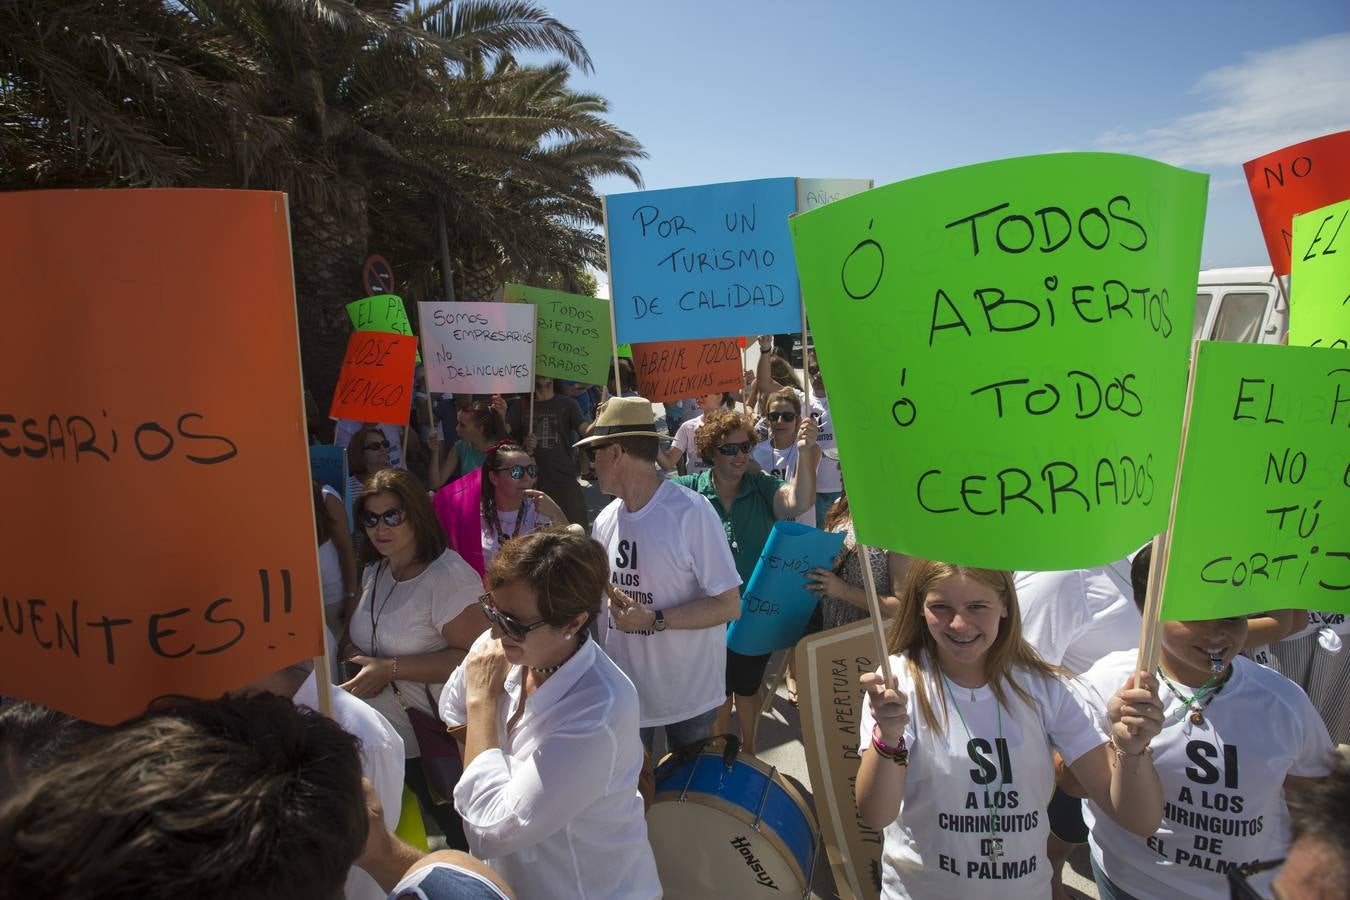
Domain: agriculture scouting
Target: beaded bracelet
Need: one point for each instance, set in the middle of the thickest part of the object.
(393, 675)
(899, 754)
(1121, 754)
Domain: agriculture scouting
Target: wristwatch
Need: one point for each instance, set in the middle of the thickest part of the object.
(660, 623)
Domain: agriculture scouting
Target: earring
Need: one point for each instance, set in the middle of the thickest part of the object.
(567, 634)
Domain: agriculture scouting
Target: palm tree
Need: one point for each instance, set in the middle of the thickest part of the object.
(368, 113)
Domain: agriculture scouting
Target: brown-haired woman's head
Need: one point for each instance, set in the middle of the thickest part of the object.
(397, 517)
(543, 589)
(479, 422)
(367, 451)
(962, 623)
(782, 372)
(508, 471)
(721, 427)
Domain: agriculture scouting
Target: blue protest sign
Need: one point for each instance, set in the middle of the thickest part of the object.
(775, 605)
(328, 465)
(703, 262)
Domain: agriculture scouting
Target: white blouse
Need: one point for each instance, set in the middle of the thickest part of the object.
(556, 810)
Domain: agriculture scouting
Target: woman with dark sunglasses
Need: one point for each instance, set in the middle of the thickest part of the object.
(748, 503)
(367, 453)
(778, 455)
(552, 755)
(416, 619)
(510, 506)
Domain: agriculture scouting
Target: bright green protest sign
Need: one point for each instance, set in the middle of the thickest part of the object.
(382, 312)
(1319, 286)
(572, 338)
(1005, 351)
(1263, 504)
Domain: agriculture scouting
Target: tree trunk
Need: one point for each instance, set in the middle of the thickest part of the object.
(329, 251)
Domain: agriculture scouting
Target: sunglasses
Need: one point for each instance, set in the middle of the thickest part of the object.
(512, 628)
(519, 472)
(393, 518)
(733, 449)
(592, 449)
(381, 445)
(781, 417)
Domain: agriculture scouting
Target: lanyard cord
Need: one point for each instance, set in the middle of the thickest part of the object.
(1204, 695)
(993, 813)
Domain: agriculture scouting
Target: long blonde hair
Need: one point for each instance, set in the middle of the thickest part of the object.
(910, 636)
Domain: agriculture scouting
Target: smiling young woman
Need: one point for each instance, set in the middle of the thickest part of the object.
(956, 752)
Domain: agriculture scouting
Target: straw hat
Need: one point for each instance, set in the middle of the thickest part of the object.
(622, 417)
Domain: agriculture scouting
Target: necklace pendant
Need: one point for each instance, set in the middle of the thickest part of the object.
(1197, 717)
(995, 849)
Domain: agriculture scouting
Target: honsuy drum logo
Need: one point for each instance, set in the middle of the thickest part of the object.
(743, 845)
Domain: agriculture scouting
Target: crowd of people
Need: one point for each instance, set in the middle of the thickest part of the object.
(507, 663)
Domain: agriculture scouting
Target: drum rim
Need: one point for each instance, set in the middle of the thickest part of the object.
(755, 762)
(745, 817)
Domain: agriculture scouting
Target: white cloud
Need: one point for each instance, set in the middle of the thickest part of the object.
(1270, 100)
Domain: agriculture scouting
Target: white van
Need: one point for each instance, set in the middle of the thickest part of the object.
(1242, 304)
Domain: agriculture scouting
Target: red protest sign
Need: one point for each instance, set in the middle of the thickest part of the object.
(376, 380)
(153, 462)
(1297, 179)
(675, 370)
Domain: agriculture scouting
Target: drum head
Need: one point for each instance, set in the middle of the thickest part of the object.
(704, 851)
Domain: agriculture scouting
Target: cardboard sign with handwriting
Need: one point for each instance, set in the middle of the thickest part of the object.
(1294, 180)
(828, 665)
(478, 347)
(375, 384)
(676, 370)
(382, 312)
(1263, 507)
(1006, 346)
(1319, 302)
(153, 455)
(713, 260)
(572, 336)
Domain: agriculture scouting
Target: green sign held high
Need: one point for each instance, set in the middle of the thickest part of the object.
(382, 312)
(1319, 306)
(1263, 506)
(1005, 350)
(572, 338)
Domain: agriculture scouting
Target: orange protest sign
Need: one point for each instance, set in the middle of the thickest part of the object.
(160, 532)
(1297, 179)
(376, 380)
(675, 370)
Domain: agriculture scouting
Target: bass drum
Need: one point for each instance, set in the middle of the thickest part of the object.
(728, 826)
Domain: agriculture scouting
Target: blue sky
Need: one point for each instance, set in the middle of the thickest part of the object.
(737, 89)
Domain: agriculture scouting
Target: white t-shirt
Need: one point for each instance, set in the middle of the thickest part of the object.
(381, 762)
(347, 428)
(407, 618)
(684, 441)
(556, 810)
(829, 480)
(1076, 617)
(1222, 782)
(670, 552)
(937, 846)
(492, 541)
(782, 464)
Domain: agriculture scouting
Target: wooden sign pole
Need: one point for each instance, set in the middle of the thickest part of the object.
(874, 608)
(1151, 629)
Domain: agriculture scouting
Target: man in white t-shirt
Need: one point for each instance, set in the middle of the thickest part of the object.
(674, 581)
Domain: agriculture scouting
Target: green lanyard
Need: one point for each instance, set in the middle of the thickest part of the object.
(995, 842)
